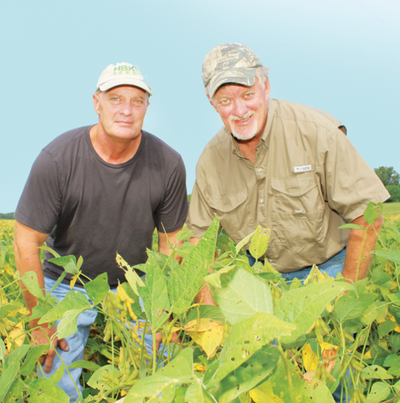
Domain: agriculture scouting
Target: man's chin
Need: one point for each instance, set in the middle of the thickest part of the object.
(243, 136)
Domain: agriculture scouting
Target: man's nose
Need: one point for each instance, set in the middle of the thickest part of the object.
(239, 108)
(126, 108)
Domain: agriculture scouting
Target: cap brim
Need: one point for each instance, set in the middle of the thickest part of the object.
(240, 76)
(125, 81)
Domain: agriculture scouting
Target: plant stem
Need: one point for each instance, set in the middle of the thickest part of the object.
(289, 375)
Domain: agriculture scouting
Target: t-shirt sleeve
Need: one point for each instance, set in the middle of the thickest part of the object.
(350, 183)
(172, 211)
(40, 202)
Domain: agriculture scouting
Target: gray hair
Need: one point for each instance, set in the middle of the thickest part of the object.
(261, 74)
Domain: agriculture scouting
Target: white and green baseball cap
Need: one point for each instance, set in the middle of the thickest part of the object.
(121, 74)
(229, 63)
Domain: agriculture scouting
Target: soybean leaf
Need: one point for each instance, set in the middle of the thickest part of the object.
(43, 390)
(249, 374)
(318, 392)
(259, 242)
(7, 378)
(302, 306)
(67, 262)
(279, 384)
(180, 366)
(6, 309)
(32, 358)
(197, 394)
(214, 279)
(31, 283)
(2, 350)
(72, 300)
(247, 337)
(46, 248)
(393, 256)
(14, 392)
(385, 327)
(243, 242)
(242, 295)
(154, 294)
(184, 234)
(379, 392)
(373, 211)
(186, 281)
(16, 356)
(68, 325)
(375, 372)
(130, 274)
(205, 312)
(58, 374)
(90, 365)
(98, 288)
(97, 381)
(348, 307)
(184, 249)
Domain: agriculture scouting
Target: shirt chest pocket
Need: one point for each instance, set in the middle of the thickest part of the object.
(297, 211)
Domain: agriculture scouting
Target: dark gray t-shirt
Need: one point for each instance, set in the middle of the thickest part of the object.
(94, 209)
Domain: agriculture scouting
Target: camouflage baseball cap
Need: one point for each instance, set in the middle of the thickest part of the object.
(229, 63)
(121, 74)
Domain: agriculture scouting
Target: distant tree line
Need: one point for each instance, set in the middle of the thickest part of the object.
(391, 179)
(7, 216)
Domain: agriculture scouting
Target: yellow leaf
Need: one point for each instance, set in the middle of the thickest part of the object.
(201, 325)
(73, 281)
(310, 360)
(199, 367)
(17, 336)
(212, 340)
(264, 393)
(123, 392)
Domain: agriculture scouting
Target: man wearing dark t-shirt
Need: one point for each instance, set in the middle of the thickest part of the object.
(94, 191)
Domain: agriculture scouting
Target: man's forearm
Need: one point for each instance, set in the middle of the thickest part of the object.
(356, 244)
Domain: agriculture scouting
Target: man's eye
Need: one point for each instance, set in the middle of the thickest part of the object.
(224, 101)
(138, 101)
(248, 95)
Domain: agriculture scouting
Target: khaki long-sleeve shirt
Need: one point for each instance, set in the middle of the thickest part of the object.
(306, 181)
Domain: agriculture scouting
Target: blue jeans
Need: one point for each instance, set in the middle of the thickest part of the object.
(332, 267)
(76, 343)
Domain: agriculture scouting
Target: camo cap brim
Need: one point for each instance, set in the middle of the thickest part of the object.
(122, 74)
(229, 63)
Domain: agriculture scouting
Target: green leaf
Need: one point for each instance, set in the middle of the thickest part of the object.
(31, 283)
(259, 242)
(97, 381)
(130, 274)
(318, 392)
(352, 226)
(375, 372)
(373, 211)
(180, 366)
(247, 337)
(249, 374)
(69, 323)
(90, 365)
(16, 356)
(385, 327)
(46, 248)
(2, 350)
(154, 295)
(67, 262)
(186, 281)
(205, 312)
(6, 309)
(242, 295)
(32, 358)
(244, 242)
(302, 306)
(278, 382)
(393, 256)
(14, 392)
(7, 378)
(185, 249)
(98, 288)
(43, 390)
(58, 374)
(197, 394)
(214, 279)
(348, 307)
(379, 392)
(184, 234)
(72, 300)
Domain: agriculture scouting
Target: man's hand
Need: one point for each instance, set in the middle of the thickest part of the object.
(41, 336)
(354, 249)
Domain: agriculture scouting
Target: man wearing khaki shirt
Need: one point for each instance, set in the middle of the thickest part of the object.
(284, 166)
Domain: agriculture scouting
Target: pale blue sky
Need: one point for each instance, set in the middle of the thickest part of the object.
(341, 56)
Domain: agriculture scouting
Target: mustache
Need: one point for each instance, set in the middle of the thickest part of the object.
(246, 116)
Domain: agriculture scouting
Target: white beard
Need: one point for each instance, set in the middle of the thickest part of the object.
(246, 132)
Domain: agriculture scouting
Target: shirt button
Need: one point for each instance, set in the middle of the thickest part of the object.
(261, 200)
(259, 169)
